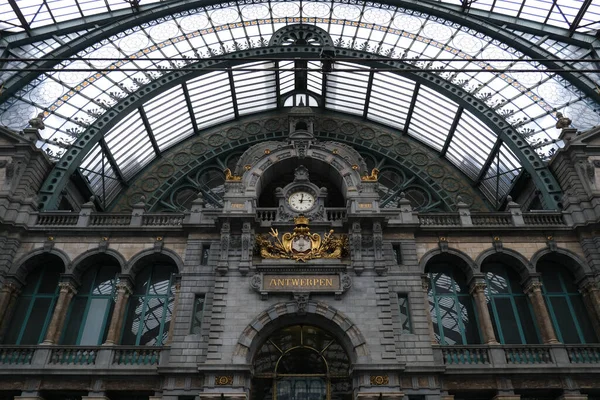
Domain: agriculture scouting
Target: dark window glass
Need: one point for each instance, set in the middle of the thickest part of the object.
(91, 309)
(509, 308)
(404, 313)
(35, 305)
(205, 253)
(565, 305)
(198, 314)
(451, 307)
(397, 253)
(150, 307)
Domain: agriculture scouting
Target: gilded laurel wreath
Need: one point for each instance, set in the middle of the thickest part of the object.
(301, 245)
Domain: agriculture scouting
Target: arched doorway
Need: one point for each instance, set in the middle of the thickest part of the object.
(301, 362)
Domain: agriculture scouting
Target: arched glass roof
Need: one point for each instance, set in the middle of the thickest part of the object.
(75, 92)
(23, 15)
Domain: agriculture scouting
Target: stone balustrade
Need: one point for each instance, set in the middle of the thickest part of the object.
(457, 220)
(78, 357)
(518, 356)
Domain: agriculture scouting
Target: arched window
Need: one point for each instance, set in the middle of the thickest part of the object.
(451, 306)
(565, 305)
(150, 307)
(301, 363)
(91, 309)
(34, 307)
(509, 308)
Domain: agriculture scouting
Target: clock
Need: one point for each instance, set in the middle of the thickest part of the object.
(301, 201)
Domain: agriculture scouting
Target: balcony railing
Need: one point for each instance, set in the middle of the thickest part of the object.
(517, 356)
(139, 219)
(122, 357)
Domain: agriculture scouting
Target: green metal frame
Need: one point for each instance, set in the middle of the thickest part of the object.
(567, 296)
(407, 325)
(529, 159)
(196, 323)
(90, 297)
(496, 313)
(455, 297)
(169, 296)
(33, 297)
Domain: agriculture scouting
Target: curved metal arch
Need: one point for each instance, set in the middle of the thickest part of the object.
(577, 79)
(207, 158)
(73, 157)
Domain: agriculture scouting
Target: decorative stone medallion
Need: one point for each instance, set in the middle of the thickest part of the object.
(272, 125)
(150, 184)
(435, 171)
(234, 133)
(181, 159)
(253, 128)
(348, 128)
(216, 140)
(367, 134)
(450, 184)
(403, 148)
(165, 170)
(420, 159)
(385, 140)
(198, 149)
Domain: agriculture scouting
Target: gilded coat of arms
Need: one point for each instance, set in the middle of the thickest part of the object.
(301, 245)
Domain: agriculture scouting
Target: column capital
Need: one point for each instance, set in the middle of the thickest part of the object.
(11, 286)
(533, 284)
(477, 286)
(67, 287)
(588, 284)
(425, 282)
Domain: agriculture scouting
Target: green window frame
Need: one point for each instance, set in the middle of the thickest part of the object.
(198, 315)
(404, 308)
(91, 309)
(150, 307)
(451, 307)
(567, 311)
(35, 306)
(510, 309)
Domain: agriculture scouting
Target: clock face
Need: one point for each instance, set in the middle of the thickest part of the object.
(301, 201)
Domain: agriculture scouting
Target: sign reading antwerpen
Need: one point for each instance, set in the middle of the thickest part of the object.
(300, 283)
(292, 283)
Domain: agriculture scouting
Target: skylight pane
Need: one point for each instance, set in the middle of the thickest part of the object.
(169, 117)
(501, 175)
(100, 175)
(432, 117)
(130, 145)
(390, 98)
(347, 91)
(471, 144)
(210, 95)
(256, 89)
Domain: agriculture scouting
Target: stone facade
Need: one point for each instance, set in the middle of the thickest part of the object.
(389, 254)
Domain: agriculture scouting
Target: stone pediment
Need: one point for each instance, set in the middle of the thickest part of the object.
(10, 138)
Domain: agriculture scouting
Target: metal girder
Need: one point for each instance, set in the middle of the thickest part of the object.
(411, 108)
(20, 16)
(236, 111)
(369, 88)
(582, 10)
(541, 175)
(488, 162)
(188, 103)
(451, 131)
(449, 12)
(146, 123)
(112, 161)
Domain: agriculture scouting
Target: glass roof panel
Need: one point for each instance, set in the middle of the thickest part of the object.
(470, 132)
(130, 145)
(79, 91)
(390, 99)
(169, 118)
(432, 118)
(347, 91)
(210, 95)
(100, 175)
(500, 176)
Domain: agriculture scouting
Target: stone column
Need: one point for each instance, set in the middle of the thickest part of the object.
(483, 313)
(425, 286)
(124, 290)
(591, 296)
(533, 288)
(8, 300)
(67, 291)
(174, 313)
